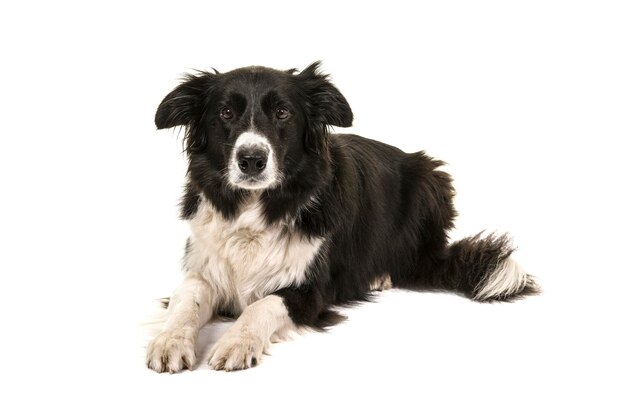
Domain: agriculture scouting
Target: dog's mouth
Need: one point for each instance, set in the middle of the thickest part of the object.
(252, 182)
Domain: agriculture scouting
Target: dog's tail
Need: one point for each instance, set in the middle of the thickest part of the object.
(481, 268)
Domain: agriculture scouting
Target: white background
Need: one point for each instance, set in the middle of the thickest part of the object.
(526, 101)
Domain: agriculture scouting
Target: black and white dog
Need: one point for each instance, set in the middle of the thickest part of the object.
(288, 220)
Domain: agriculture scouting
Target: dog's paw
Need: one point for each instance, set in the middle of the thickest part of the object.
(236, 350)
(170, 352)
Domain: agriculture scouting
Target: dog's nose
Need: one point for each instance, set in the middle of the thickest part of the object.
(252, 160)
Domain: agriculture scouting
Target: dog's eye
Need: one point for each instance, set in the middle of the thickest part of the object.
(282, 113)
(226, 113)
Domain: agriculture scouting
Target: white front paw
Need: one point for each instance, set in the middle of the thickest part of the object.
(171, 351)
(237, 350)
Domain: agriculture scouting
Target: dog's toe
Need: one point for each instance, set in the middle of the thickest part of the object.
(170, 352)
(235, 352)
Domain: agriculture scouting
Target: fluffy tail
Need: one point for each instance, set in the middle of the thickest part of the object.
(482, 269)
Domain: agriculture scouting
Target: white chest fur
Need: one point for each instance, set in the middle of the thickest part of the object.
(244, 259)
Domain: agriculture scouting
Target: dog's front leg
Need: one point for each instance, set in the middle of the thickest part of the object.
(242, 346)
(190, 308)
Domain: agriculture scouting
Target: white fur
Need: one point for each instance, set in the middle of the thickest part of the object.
(246, 341)
(244, 259)
(189, 309)
(381, 283)
(268, 178)
(235, 262)
(508, 278)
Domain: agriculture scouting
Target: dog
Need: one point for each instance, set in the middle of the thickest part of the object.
(289, 220)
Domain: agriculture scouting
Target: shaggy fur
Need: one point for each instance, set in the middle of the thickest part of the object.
(288, 220)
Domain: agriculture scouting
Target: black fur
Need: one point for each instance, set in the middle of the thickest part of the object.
(380, 210)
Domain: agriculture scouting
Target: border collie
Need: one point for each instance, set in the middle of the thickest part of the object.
(288, 220)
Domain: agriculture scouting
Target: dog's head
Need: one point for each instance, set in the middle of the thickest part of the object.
(254, 128)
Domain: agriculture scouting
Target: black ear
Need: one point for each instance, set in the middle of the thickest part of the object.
(328, 105)
(180, 106)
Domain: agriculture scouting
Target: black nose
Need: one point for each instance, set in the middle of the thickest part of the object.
(252, 160)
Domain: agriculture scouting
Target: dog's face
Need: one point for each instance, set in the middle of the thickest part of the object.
(254, 128)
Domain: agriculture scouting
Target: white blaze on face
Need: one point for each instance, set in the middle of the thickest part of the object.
(265, 179)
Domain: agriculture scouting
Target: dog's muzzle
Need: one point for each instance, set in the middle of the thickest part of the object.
(253, 163)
